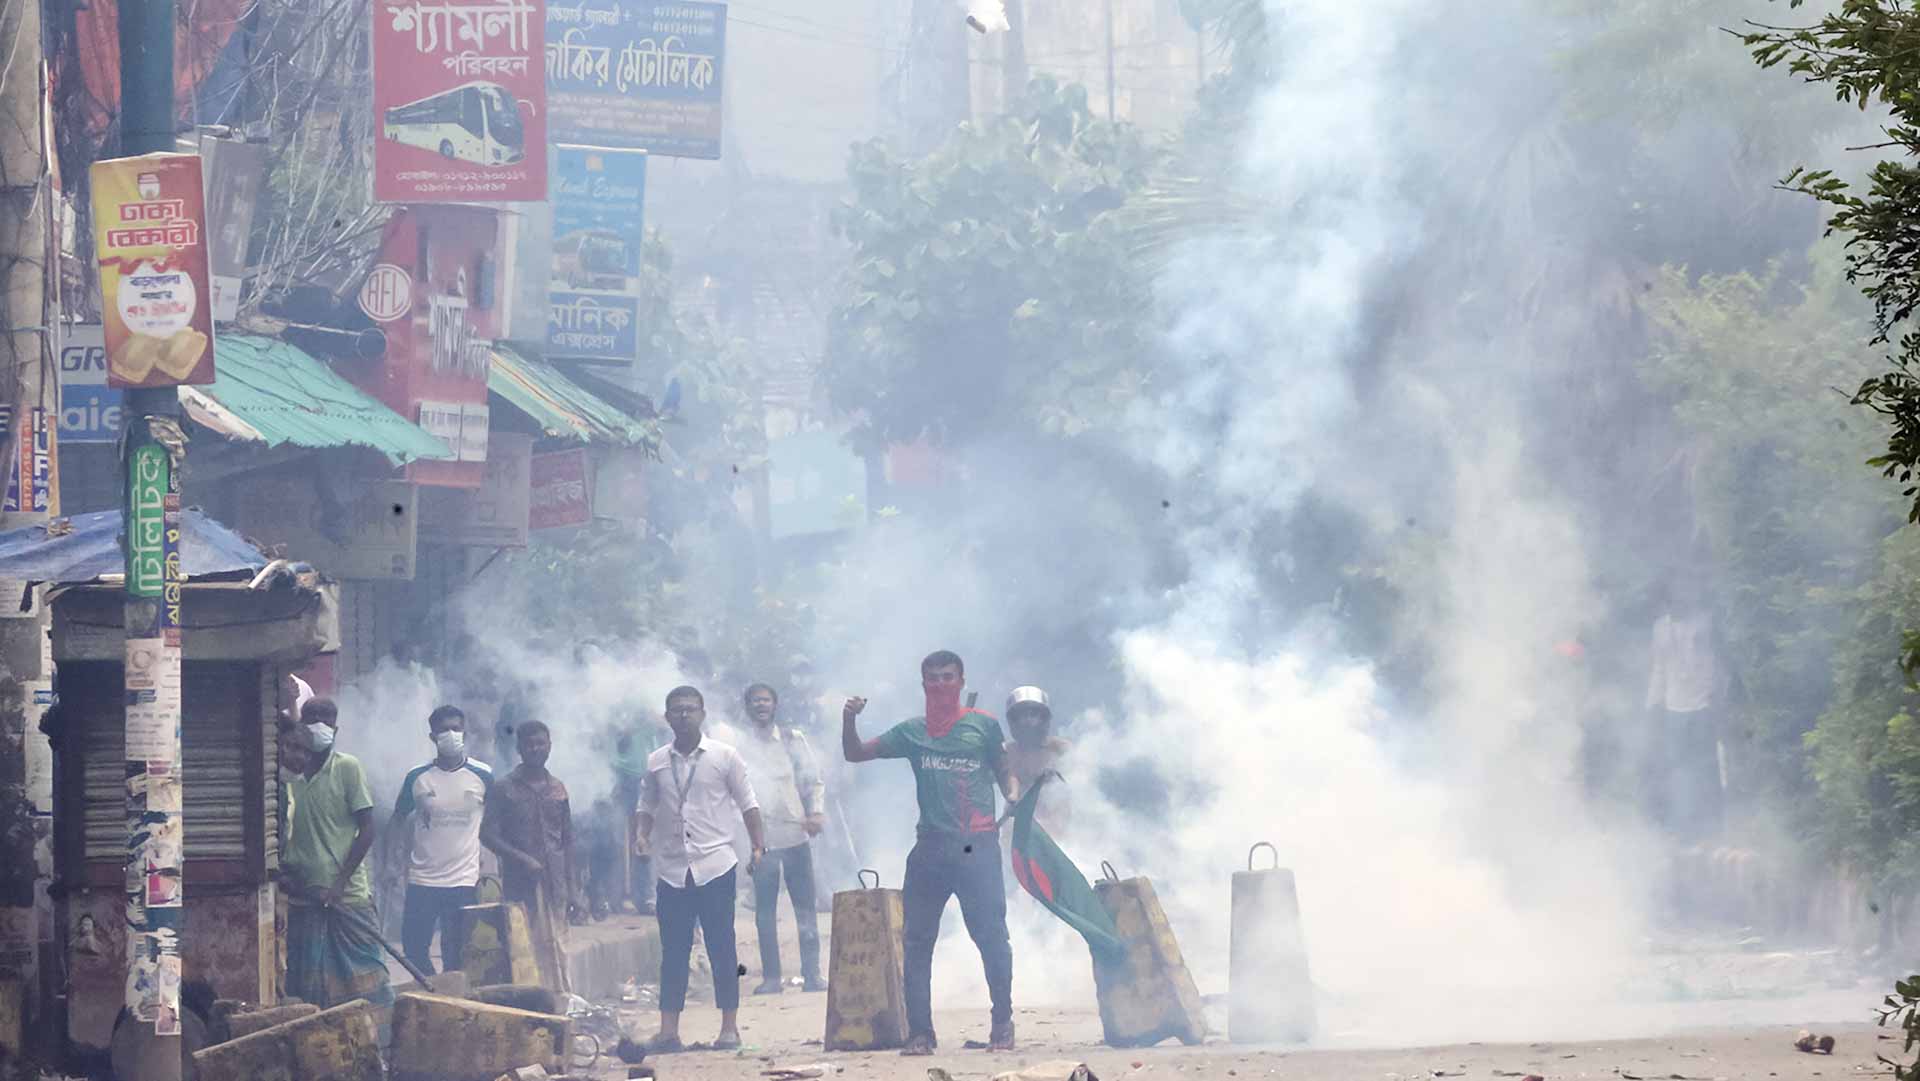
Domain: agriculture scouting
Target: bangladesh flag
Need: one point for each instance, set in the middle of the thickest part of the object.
(1047, 873)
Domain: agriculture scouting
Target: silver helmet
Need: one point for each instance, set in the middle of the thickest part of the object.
(1023, 696)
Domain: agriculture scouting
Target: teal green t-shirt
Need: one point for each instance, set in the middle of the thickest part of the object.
(953, 776)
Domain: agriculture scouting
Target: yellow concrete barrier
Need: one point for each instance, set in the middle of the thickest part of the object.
(1270, 995)
(499, 946)
(1152, 995)
(341, 1044)
(866, 977)
(436, 1038)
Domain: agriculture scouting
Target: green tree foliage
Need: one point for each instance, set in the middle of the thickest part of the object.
(1821, 578)
(1864, 50)
(988, 285)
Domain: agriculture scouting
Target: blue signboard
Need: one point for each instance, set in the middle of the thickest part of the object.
(640, 74)
(89, 409)
(593, 325)
(599, 204)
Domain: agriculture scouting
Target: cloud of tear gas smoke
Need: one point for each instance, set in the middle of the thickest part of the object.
(1454, 880)
(383, 723)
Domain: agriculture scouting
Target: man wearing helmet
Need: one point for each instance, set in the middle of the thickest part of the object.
(1034, 750)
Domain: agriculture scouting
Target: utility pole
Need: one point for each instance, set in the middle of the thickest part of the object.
(1014, 49)
(153, 450)
(25, 757)
(1109, 61)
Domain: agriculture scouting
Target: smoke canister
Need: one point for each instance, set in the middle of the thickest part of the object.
(1270, 997)
(866, 977)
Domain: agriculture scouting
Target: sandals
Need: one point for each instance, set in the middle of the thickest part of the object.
(919, 1044)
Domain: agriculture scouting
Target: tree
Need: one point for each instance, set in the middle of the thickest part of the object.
(1865, 52)
(988, 285)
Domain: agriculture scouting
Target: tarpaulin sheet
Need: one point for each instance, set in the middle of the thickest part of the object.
(91, 549)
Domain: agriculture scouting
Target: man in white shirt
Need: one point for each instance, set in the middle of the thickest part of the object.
(1686, 693)
(786, 779)
(441, 802)
(693, 788)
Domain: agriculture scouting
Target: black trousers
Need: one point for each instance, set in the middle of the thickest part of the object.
(435, 907)
(966, 866)
(710, 906)
(796, 864)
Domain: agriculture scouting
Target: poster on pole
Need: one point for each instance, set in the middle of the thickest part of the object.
(642, 74)
(459, 100)
(599, 214)
(150, 234)
(236, 175)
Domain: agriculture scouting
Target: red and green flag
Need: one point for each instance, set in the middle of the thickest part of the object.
(1046, 873)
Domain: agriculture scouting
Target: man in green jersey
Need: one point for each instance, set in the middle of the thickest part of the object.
(958, 756)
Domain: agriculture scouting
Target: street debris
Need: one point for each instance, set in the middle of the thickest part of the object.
(801, 1073)
(630, 1051)
(1809, 1043)
(535, 1072)
(1055, 1070)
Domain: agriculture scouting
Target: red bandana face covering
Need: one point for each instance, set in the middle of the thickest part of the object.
(943, 708)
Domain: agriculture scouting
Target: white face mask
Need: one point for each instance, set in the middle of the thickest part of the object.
(320, 737)
(451, 743)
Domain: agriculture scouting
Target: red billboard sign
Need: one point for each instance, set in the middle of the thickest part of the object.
(559, 495)
(459, 99)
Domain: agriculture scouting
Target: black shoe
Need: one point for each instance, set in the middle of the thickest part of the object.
(814, 985)
(1001, 1038)
(920, 1043)
(768, 987)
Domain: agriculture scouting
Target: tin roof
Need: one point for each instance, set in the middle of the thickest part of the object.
(266, 391)
(563, 408)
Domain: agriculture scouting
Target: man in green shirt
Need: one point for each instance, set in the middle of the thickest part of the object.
(333, 954)
(958, 756)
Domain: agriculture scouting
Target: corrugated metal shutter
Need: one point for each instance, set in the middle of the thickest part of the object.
(223, 700)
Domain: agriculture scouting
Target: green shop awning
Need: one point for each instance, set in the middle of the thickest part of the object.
(266, 391)
(563, 408)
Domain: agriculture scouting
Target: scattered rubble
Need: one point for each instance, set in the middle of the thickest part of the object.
(1055, 1070)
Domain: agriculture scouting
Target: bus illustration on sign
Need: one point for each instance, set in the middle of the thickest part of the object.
(478, 122)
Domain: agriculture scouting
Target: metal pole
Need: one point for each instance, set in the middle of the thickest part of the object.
(25, 758)
(1109, 61)
(152, 452)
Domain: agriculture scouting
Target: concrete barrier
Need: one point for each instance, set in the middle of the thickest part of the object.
(341, 1044)
(451, 1039)
(246, 1023)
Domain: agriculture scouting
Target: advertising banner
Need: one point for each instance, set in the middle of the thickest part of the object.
(593, 326)
(89, 409)
(150, 235)
(459, 99)
(36, 470)
(558, 493)
(643, 74)
(236, 174)
(599, 210)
